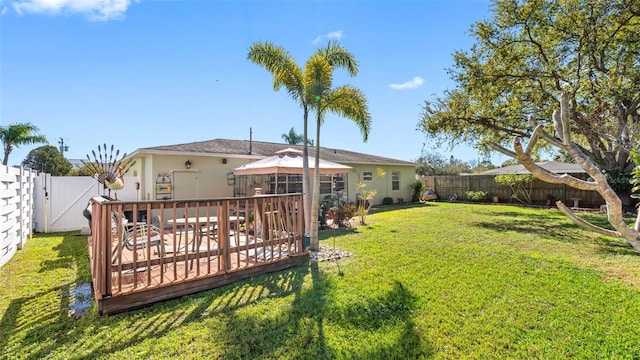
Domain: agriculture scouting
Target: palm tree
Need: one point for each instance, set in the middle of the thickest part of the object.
(18, 134)
(311, 87)
(346, 101)
(293, 138)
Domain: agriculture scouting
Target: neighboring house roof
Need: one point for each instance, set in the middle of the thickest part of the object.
(76, 163)
(258, 150)
(553, 166)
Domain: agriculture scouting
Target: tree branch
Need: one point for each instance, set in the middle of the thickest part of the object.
(565, 210)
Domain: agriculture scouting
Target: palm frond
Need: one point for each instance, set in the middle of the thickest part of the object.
(340, 57)
(318, 77)
(350, 102)
(275, 59)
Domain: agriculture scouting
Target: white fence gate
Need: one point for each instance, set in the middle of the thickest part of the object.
(16, 209)
(60, 200)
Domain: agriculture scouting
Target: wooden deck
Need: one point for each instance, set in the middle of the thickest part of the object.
(215, 242)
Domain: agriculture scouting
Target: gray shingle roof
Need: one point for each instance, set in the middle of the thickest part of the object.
(553, 166)
(259, 149)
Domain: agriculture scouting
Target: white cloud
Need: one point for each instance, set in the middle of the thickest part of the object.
(97, 10)
(411, 84)
(333, 35)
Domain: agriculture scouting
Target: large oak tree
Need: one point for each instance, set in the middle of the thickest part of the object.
(526, 55)
(529, 54)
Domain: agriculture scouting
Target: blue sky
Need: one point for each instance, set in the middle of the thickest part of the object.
(149, 73)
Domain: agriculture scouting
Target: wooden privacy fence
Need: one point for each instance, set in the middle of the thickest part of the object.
(16, 209)
(445, 186)
(148, 251)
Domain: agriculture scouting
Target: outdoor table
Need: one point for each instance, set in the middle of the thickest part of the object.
(207, 224)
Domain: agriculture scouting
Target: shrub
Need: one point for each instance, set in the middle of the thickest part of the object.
(416, 190)
(520, 185)
(344, 214)
(387, 201)
(476, 196)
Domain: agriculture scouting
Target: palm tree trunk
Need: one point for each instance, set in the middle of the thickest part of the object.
(315, 243)
(306, 184)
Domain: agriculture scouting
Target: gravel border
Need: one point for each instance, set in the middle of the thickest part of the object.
(328, 253)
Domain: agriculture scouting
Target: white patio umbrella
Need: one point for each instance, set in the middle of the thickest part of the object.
(288, 161)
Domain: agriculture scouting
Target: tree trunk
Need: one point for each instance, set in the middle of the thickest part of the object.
(599, 183)
(306, 184)
(7, 151)
(315, 243)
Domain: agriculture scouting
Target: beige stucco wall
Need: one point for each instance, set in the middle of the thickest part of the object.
(207, 177)
(382, 184)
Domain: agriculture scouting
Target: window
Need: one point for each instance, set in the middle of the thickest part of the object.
(286, 184)
(367, 175)
(395, 180)
(330, 184)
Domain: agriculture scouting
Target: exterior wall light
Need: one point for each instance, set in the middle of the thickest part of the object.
(187, 164)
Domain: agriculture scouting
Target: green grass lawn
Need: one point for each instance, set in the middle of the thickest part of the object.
(436, 281)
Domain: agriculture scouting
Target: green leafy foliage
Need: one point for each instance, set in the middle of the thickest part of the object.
(476, 195)
(520, 185)
(416, 190)
(15, 135)
(530, 51)
(433, 164)
(312, 87)
(293, 138)
(635, 179)
(619, 181)
(47, 159)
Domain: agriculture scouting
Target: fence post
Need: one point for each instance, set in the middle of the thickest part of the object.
(21, 211)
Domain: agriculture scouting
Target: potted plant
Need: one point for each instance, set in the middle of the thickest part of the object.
(550, 198)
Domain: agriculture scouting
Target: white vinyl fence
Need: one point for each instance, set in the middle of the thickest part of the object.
(16, 209)
(31, 202)
(60, 200)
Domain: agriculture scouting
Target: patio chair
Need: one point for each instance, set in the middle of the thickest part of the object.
(141, 235)
(138, 237)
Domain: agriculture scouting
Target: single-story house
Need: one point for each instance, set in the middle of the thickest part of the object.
(204, 169)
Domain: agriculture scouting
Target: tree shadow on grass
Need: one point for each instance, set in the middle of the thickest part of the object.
(73, 252)
(47, 330)
(43, 326)
(37, 325)
(300, 332)
(396, 207)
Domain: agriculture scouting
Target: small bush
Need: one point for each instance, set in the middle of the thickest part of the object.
(416, 190)
(387, 201)
(476, 196)
(520, 185)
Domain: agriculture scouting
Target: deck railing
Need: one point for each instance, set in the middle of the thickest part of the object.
(146, 251)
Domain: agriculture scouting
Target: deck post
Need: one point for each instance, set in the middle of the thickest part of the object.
(224, 235)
